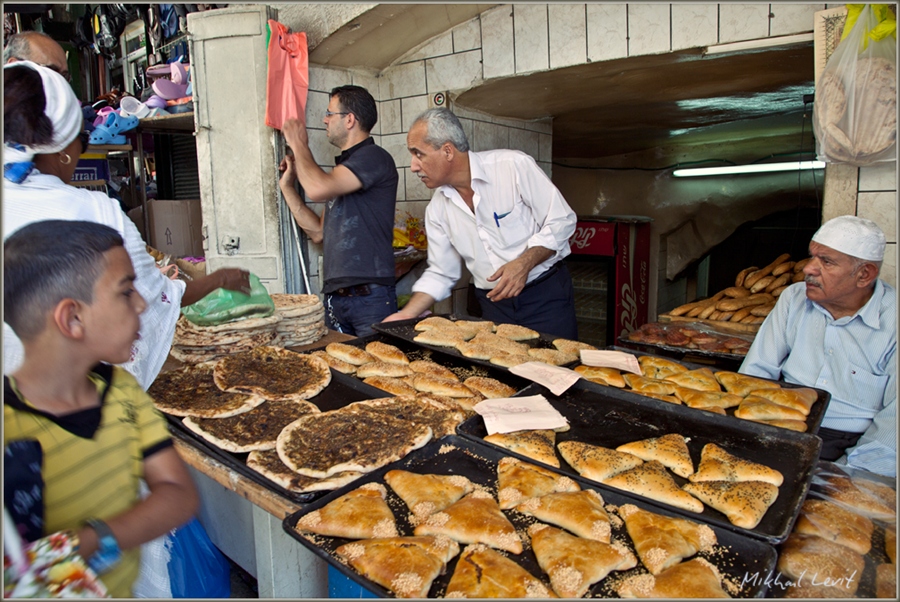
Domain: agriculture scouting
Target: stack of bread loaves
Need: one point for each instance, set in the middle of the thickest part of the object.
(751, 298)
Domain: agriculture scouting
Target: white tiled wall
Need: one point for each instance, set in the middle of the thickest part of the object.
(516, 39)
(877, 201)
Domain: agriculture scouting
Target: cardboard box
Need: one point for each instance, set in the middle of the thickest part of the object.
(136, 215)
(176, 227)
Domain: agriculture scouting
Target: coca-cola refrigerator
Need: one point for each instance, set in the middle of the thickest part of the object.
(610, 267)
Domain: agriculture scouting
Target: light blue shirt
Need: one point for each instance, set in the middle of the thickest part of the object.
(853, 358)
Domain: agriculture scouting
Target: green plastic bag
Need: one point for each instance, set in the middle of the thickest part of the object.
(223, 305)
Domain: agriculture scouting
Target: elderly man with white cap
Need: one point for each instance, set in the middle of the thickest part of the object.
(837, 331)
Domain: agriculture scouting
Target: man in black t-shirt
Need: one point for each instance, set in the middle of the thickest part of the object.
(356, 228)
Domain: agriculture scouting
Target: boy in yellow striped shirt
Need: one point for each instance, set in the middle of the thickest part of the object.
(69, 296)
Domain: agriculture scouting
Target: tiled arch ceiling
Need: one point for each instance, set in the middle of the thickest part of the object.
(666, 106)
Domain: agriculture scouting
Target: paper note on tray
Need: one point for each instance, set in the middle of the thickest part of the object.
(511, 414)
(555, 378)
(611, 359)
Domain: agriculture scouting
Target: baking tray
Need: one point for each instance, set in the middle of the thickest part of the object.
(877, 555)
(611, 418)
(405, 330)
(463, 367)
(736, 555)
(813, 420)
(720, 361)
(342, 391)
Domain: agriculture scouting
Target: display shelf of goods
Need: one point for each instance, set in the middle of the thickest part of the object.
(585, 276)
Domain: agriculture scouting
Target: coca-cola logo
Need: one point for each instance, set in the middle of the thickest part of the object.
(583, 236)
(628, 318)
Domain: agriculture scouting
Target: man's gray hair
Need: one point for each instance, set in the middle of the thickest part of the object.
(443, 126)
(18, 45)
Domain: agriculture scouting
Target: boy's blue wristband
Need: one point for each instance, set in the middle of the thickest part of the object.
(108, 553)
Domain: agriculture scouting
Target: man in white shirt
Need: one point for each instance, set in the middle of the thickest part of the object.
(837, 331)
(499, 213)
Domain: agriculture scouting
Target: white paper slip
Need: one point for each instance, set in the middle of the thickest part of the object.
(511, 414)
(555, 378)
(611, 359)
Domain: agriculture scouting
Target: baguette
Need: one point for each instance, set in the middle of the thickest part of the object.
(753, 278)
(762, 310)
(779, 281)
(724, 316)
(751, 319)
(683, 309)
(798, 267)
(726, 326)
(779, 290)
(716, 315)
(739, 281)
(741, 313)
(736, 292)
(757, 320)
(762, 283)
(695, 307)
(798, 277)
(736, 304)
(707, 311)
(781, 268)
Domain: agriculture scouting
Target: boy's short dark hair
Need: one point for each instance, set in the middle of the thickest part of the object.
(48, 261)
(357, 100)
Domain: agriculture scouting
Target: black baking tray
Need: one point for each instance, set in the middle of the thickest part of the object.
(813, 420)
(736, 555)
(719, 361)
(611, 417)
(341, 391)
(463, 367)
(877, 554)
(406, 330)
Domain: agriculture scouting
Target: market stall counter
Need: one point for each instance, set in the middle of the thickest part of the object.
(243, 518)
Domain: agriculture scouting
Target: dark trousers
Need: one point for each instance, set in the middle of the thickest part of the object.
(355, 315)
(835, 443)
(546, 305)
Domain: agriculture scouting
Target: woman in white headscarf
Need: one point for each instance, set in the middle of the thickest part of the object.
(42, 123)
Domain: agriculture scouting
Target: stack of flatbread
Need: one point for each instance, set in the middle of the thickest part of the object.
(302, 319)
(194, 344)
(870, 128)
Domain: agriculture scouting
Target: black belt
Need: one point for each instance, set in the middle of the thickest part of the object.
(360, 290)
(550, 272)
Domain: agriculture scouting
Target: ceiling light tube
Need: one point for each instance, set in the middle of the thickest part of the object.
(760, 43)
(739, 169)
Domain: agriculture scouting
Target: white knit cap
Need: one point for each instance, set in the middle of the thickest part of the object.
(854, 236)
(62, 108)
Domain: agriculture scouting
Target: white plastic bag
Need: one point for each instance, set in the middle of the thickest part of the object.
(855, 116)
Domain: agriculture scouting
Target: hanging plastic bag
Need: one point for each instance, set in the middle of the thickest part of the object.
(287, 81)
(856, 95)
(223, 305)
(197, 569)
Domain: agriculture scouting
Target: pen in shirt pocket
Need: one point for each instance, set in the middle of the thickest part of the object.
(497, 218)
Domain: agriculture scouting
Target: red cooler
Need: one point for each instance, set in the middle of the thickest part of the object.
(610, 266)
